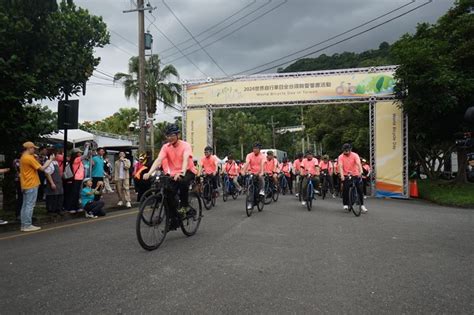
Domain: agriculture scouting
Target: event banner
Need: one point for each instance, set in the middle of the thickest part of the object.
(388, 150)
(291, 88)
(196, 130)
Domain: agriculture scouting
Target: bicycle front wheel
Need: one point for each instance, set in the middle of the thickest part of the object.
(249, 200)
(152, 222)
(190, 224)
(207, 196)
(309, 199)
(148, 193)
(356, 206)
(276, 194)
(224, 193)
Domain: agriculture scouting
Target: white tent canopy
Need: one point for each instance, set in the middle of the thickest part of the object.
(73, 136)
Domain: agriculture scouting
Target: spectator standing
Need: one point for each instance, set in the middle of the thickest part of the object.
(98, 169)
(366, 172)
(93, 208)
(141, 184)
(107, 175)
(19, 193)
(3, 171)
(30, 183)
(42, 158)
(54, 187)
(71, 198)
(122, 180)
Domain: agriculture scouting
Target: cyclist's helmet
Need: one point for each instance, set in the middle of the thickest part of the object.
(299, 155)
(237, 161)
(257, 145)
(208, 149)
(270, 153)
(285, 159)
(346, 147)
(309, 152)
(172, 130)
(325, 157)
(230, 157)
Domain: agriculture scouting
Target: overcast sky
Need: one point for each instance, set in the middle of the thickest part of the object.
(286, 28)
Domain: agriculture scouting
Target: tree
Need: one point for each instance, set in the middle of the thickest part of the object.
(26, 123)
(118, 123)
(157, 85)
(435, 81)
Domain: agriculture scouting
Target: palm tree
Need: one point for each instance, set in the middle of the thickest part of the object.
(157, 85)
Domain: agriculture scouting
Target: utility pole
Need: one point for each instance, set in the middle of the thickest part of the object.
(273, 124)
(141, 71)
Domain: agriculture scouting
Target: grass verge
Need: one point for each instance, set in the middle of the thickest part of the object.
(447, 193)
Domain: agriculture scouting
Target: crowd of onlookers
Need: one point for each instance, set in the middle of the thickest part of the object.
(72, 183)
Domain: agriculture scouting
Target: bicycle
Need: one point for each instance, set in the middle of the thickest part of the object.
(324, 183)
(228, 188)
(354, 197)
(253, 195)
(207, 192)
(283, 184)
(310, 196)
(158, 215)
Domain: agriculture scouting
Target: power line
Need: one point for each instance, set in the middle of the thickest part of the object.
(350, 37)
(224, 28)
(191, 34)
(123, 37)
(121, 49)
(330, 38)
(172, 43)
(232, 32)
(211, 27)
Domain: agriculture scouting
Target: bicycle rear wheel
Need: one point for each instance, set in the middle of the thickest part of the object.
(224, 193)
(235, 193)
(190, 224)
(268, 193)
(324, 188)
(152, 222)
(207, 196)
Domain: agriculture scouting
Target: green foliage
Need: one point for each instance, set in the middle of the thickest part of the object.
(117, 123)
(436, 80)
(46, 48)
(157, 85)
(447, 193)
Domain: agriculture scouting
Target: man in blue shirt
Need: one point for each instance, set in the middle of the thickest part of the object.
(98, 169)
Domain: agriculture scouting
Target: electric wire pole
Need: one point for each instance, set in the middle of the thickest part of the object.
(141, 72)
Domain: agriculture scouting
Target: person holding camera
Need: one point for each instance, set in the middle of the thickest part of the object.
(122, 180)
(90, 198)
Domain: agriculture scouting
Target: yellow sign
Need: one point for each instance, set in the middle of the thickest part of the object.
(289, 89)
(196, 130)
(388, 150)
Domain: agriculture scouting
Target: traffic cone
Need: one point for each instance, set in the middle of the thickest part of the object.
(413, 188)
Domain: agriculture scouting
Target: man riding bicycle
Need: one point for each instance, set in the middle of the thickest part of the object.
(232, 169)
(179, 156)
(271, 167)
(310, 171)
(297, 171)
(286, 169)
(209, 166)
(327, 170)
(349, 164)
(254, 165)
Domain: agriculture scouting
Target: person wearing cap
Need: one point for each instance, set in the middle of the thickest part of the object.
(270, 166)
(122, 180)
(72, 186)
(310, 171)
(179, 155)
(93, 206)
(30, 182)
(287, 169)
(254, 164)
(366, 170)
(209, 167)
(349, 164)
(327, 169)
(231, 169)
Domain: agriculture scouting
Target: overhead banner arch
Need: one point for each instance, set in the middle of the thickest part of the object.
(372, 85)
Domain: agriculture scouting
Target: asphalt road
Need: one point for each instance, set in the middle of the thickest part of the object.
(401, 257)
